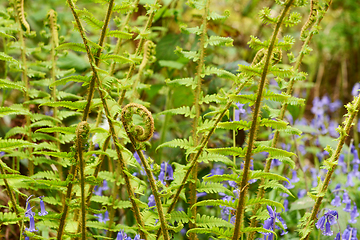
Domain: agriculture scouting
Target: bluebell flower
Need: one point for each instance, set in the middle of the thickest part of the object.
(294, 178)
(98, 191)
(354, 214)
(301, 193)
(29, 212)
(216, 170)
(137, 237)
(335, 105)
(166, 172)
(32, 224)
(338, 236)
(42, 207)
(201, 194)
(122, 236)
(342, 163)
(269, 223)
(349, 234)
(325, 222)
(105, 186)
(336, 202)
(286, 204)
(151, 200)
(238, 112)
(355, 89)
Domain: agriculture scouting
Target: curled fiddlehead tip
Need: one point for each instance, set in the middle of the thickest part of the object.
(82, 132)
(137, 132)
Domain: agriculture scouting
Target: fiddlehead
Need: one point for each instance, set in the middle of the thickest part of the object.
(139, 133)
(21, 14)
(311, 20)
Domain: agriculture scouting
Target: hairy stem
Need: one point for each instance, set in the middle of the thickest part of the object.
(253, 129)
(353, 109)
(281, 117)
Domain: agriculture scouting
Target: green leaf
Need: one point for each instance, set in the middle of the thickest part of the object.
(65, 130)
(10, 144)
(78, 47)
(74, 78)
(181, 143)
(7, 84)
(220, 232)
(188, 82)
(211, 187)
(221, 73)
(236, 125)
(119, 34)
(207, 157)
(55, 154)
(7, 218)
(6, 58)
(178, 216)
(184, 110)
(274, 152)
(4, 111)
(211, 202)
(264, 201)
(233, 151)
(211, 221)
(219, 41)
(79, 105)
(116, 58)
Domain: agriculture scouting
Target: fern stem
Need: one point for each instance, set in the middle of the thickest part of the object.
(10, 192)
(97, 169)
(192, 184)
(20, 18)
(93, 60)
(204, 142)
(254, 125)
(137, 52)
(353, 109)
(281, 117)
(140, 134)
(82, 132)
(71, 178)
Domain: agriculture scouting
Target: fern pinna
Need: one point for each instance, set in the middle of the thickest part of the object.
(96, 155)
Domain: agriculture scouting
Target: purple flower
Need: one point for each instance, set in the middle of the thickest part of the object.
(42, 207)
(137, 237)
(122, 236)
(166, 169)
(98, 191)
(269, 223)
(238, 112)
(29, 212)
(151, 200)
(355, 90)
(353, 214)
(286, 204)
(294, 178)
(32, 224)
(325, 222)
(336, 202)
(338, 236)
(349, 234)
(301, 193)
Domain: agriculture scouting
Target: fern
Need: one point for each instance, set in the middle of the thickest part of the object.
(7, 218)
(211, 222)
(11, 144)
(211, 187)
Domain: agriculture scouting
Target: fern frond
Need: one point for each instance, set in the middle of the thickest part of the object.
(78, 47)
(7, 84)
(216, 203)
(38, 117)
(79, 105)
(65, 114)
(119, 34)
(212, 187)
(43, 136)
(275, 124)
(207, 157)
(67, 155)
(46, 174)
(282, 97)
(179, 217)
(236, 125)
(215, 16)
(184, 110)
(233, 151)
(274, 184)
(104, 200)
(12, 144)
(221, 73)
(225, 177)
(7, 218)
(46, 145)
(65, 130)
(260, 174)
(291, 130)
(210, 98)
(219, 41)
(264, 201)
(211, 221)
(4, 111)
(221, 233)
(188, 82)
(181, 143)
(192, 55)
(206, 125)
(116, 58)
(42, 123)
(274, 152)
(75, 78)
(60, 95)
(281, 72)
(16, 130)
(7, 58)
(265, 16)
